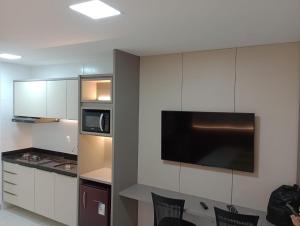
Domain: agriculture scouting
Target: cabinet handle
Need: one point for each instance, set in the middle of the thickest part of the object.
(9, 193)
(9, 172)
(84, 199)
(100, 122)
(9, 182)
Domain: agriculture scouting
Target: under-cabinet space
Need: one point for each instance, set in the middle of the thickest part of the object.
(95, 157)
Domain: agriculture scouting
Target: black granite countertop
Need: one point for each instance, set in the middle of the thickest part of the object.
(51, 161)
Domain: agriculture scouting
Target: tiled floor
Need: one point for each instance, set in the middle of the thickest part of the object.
(18, 217)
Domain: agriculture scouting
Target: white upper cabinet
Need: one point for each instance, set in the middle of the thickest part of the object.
(30, 98)
(47, 99)
(72, 99)
(56, 99)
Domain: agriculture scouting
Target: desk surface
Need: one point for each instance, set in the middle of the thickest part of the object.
(142, 193)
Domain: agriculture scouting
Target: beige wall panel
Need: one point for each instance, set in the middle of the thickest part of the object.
(208, 85)
(208, 80)
(160, 85)
(268, 85)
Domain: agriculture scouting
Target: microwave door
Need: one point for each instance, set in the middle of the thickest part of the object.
(96, 121)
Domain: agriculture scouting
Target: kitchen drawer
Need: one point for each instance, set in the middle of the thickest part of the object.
(10, 177)
(10, 198)
(9, 187)
(10, 167)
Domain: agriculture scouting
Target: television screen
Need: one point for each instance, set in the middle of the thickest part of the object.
(224, 140)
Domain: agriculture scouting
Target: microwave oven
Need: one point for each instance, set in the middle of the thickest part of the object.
(96, 121)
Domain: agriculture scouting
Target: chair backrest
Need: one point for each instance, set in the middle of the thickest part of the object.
(167, 208)
(225, 218)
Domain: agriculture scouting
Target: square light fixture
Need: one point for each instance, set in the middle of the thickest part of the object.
(8, 56)
(95, 9)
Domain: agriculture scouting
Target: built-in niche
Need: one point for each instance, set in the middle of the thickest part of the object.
(96, 90)
(95, 158)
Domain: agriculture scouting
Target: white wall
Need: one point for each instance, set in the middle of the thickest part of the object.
(267, 84)
(62, 136)
(97, 66)
(12, 135)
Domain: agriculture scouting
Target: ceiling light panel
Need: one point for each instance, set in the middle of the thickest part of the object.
(8, 56)
(95, 9)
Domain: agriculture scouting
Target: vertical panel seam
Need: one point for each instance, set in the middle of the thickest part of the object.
(234, 109)
(181, 94)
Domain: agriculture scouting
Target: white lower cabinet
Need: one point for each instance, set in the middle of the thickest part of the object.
(48, 194)
(18, 185)
(65, 204)
(44, 193)
(25, 187)
(10, 179)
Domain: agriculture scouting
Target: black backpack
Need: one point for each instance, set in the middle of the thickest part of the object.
(278, 213)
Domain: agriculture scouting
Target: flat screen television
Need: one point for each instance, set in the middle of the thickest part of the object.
(223, 140)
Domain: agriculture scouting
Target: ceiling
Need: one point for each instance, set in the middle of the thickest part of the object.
(48, 32)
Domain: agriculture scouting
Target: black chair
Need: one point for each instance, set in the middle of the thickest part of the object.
(168, 212)
(225, 218)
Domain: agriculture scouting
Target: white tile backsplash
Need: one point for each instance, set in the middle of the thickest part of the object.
(58, 136)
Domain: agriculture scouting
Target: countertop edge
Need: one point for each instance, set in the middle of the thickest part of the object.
(70, 174)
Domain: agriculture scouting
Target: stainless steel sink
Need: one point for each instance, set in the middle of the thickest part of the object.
(61, 164)
(66, 166)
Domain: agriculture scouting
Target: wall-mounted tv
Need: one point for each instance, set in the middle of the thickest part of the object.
(224, 140)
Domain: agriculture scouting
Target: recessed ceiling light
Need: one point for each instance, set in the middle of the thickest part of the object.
(8, 56)
(95, 9)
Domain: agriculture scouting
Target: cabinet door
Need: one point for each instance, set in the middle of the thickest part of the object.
(30, 99)
(72, 99)
(94, 207)
(25, 187)
(44, 193)
(56, 99)
(65, 207)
